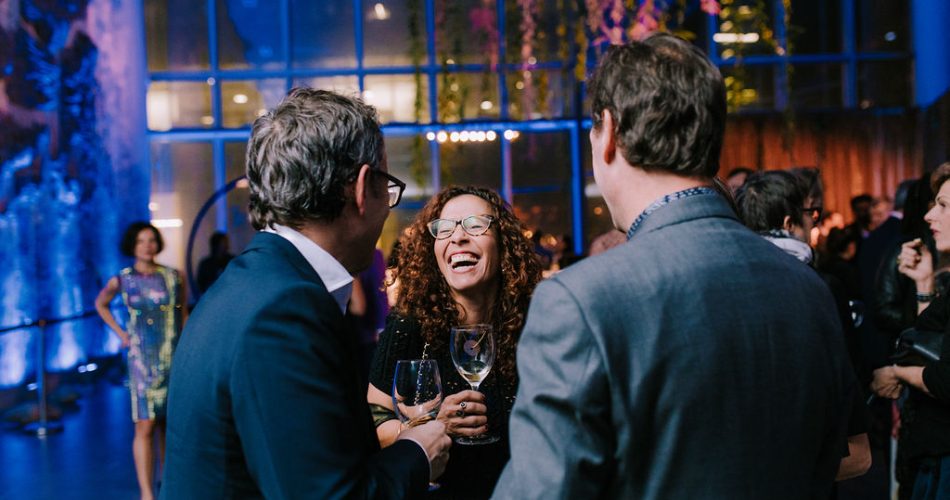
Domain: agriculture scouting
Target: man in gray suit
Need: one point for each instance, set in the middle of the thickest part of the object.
(694, 361)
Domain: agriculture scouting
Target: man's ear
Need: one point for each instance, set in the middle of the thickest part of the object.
(360, 189)
(607, 136)
(787, 223)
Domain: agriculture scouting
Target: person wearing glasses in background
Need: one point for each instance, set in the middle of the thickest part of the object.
(783, 207)
(266, 397)
(464, 260)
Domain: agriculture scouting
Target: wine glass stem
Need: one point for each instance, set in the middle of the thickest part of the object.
(474, 385)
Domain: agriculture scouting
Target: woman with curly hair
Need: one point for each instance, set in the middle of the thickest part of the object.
(464, 260)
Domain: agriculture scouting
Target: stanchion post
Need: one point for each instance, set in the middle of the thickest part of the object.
(42, 427)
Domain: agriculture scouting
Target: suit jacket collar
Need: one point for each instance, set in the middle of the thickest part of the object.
(271, 242)
(686, 209)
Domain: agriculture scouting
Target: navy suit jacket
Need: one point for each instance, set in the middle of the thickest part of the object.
(266, 397)
(697, 360)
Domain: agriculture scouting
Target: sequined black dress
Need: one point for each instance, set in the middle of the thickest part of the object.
(472, 470)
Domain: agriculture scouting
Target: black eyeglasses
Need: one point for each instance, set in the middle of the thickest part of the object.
(394, 186)
(474, 225)
(813, 212)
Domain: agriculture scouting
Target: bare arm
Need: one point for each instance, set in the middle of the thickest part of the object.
(388, 431)
(102, 307)
(858, 460)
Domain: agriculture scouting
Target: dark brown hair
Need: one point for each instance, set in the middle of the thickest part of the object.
(424, 294)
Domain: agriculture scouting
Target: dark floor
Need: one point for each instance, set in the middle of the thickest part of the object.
(90, 459)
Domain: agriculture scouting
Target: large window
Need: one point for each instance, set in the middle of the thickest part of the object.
(460, 105)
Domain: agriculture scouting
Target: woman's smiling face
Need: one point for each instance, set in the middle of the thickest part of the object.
(470, 264)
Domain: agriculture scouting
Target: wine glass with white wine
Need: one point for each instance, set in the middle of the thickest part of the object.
(473, 353)
(417, 393)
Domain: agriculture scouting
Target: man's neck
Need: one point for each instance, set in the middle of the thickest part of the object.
(649, 187)
(332, 238)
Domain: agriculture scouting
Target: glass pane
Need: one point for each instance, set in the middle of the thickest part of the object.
(749, 87)
(549, 212)
(883, 25)
(176, 35)
(394, 96)
(457, 39)
(179, 104)
(410, 160)
(541, 159)
(243, 101)
(347, 85)
(740, 29)
(322, 34)
(551, 18)
(400, 153)
(886, 83)
(543, 94)
(239, 230)
(467, 96)
(182, 181)
(249, 34)
(815, 27)
(816, 85)
(477, 163)
(386, 36)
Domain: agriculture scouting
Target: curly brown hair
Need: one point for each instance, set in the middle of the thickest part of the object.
(424, 294)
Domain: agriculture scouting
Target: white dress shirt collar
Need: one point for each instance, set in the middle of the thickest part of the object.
(334, 276)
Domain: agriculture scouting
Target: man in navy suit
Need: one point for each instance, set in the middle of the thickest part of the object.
(696, 360)
(266, 397)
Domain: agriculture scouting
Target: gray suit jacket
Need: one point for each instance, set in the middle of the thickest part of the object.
(697, 360)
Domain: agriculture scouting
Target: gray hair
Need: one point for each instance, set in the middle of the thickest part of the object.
(303, 153)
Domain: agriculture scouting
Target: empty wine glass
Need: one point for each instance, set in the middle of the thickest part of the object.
(417, 394)
(473, 353)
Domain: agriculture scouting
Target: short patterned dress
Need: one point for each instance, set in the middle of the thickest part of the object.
(154, 303)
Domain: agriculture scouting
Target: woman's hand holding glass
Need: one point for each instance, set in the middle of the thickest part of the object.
(464, 414)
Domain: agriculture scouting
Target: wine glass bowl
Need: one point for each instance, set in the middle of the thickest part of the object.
(473, 353)
(417, 391)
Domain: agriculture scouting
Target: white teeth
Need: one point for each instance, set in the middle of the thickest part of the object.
(462, 257)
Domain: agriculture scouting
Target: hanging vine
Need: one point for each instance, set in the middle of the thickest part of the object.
(417, 167)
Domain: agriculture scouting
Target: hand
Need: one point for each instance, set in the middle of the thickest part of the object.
(464, 414)
(886, 384)
(915, 261)
(431, 436)
(126, 341)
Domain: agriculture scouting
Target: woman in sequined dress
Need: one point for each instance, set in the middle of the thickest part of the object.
(154, 296)
(480, 270)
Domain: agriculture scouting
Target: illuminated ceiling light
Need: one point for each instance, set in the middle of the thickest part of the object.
(450, 61)
(239, 99)
(430, 136)
(890, 36)
(736, 37)
(165, 223)
(152, 206)
(491, 135)
(486, 105)
(207, 120)
(454, 87)
(480, 136)
(532, 60)
(464, 136)
(442, 136)
(380, 11)
(519, 85)
(745, 10)
(454, 137)
(509, 134)
(211, 81)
